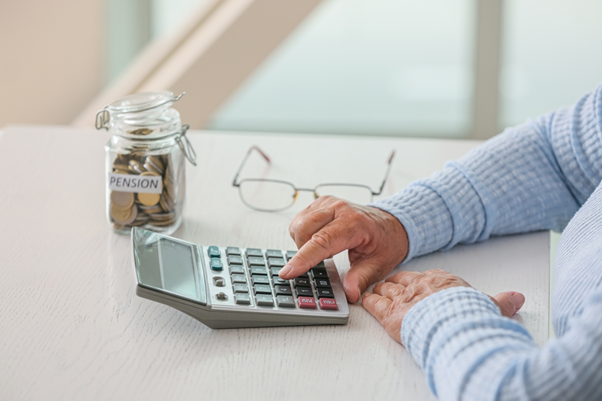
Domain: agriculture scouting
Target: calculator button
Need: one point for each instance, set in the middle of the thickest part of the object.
(238, 269)
(322, 282)
(319, 272)
(216, 264)
(264, 300)
(262, 289)
(257, 279)
(234, 260)
(307, 302)
(259, 270)
(275, 270)
(303, 282)
(254, 252)
(221, 296)
(231, 250)
(239, 287)
(285, 301)
(278, 280)
(219, 282)
(255, 261)
(276, 262)
(329, 304)
(272, 253)
(213, 251)
(304, 291)
(242, 299)
(239, 278)
(290, 254)
(325, 293)
(283, 290)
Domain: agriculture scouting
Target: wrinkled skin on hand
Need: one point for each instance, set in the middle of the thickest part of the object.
(376, 240)
(391, 300)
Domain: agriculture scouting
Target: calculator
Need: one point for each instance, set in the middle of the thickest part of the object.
(234, 287)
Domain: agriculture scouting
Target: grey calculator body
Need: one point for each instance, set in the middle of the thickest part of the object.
(188, 277)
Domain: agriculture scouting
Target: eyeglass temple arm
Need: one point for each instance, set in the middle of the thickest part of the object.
(261, 152)
(389, 163)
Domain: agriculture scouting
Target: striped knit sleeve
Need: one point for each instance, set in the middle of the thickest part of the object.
(468, 351)
(531, 177)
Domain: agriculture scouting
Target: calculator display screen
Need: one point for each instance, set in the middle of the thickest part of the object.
(177, 268)
(168, 265)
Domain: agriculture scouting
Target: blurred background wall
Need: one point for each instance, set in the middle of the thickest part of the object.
(383, 67)
(52, 59)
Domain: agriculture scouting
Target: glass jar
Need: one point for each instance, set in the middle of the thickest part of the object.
(145, 162)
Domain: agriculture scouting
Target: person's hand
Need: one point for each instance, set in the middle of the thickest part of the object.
(376, 240)
(391, 300)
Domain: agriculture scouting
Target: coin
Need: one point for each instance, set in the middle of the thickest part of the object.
(120, 166)
(141, 131)
(140, 220)
(119, 214)
(164, 205)
(122, 200)
(163, 223)
(169, 200)
(147, 173)
(126, 172)
(170, 188)
(136, 167)
(124, 217)
(162, 216)
(122, 159)
(149, 167)
(149, 199)
(156, 163)
(151, 209)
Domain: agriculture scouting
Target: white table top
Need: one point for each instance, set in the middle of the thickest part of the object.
(73, 328)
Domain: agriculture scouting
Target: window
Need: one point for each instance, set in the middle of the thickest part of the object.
(552, 55)
(392, 67)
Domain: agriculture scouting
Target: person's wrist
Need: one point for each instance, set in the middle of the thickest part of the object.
(395, 229)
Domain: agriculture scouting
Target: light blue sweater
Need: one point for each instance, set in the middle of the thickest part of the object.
(544, 174)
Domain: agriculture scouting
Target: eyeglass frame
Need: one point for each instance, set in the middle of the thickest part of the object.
(297, 190)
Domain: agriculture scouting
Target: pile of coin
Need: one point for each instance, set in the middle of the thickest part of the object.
(128, 209)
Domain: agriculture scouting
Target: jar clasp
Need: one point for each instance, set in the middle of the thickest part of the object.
(102, 119)
(186, 146)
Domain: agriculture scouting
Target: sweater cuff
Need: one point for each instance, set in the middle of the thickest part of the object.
(445, 325)
(424, 215)
(425, 318)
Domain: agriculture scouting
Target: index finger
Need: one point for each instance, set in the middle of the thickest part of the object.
(308, 222)
(324, 244)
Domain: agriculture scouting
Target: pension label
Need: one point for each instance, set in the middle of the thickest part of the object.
(147, 184)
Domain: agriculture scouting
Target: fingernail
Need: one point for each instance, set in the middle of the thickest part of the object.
(284, 271)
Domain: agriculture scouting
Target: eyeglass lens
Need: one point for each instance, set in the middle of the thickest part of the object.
(267, 195)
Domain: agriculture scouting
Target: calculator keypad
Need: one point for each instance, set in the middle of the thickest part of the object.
(254, 279)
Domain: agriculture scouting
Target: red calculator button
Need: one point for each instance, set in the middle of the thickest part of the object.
(307, 302)
(328, 303)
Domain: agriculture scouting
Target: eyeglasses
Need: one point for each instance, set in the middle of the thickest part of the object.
(267, 195)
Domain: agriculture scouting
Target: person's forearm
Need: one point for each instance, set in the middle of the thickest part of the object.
(531, 177)
(468, 351)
